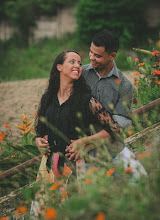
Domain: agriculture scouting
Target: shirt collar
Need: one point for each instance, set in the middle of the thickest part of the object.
(114, 71)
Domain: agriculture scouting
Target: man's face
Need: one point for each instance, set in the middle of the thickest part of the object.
(100, 59)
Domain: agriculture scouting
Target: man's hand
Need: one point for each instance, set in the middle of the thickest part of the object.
(42, 144)
(71, 150)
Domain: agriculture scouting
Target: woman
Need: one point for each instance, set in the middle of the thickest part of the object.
(66, 95)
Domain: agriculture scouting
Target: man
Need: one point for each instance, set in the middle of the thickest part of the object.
(113, 90)
(107, 83)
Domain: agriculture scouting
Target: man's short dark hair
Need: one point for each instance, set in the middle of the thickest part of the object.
(106, 39)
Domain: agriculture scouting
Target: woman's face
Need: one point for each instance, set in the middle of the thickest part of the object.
(71, 68)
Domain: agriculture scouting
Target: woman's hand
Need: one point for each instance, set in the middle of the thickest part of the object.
(42, 144)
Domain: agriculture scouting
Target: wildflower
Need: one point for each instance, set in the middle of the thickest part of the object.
(130, 132)
(155, 53)
(157, 82)
(35, 113)
(26, 125)
(88, 181)
(2, 136)
(141, 156)
(159, 62)
(139, 64)
(137, 81)
(50, 213)
(137, 73)
(64, 195)
(117, 81)
(156, 72)
(67, 171)
(1, 171)
(21, 210)
(89, 172)
(110, 172)
(142, 63)
(54, 186)
(4, 218)
(100, 216)
(128, 170)
(7, 126)
(136, 59)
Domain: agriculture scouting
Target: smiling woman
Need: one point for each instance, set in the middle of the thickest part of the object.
(66, 95)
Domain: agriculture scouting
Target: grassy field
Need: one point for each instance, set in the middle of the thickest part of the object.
(36, 60)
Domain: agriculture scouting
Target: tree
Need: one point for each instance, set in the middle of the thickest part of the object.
(124, 17)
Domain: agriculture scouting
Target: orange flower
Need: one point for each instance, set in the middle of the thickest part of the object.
(159, 62)
(142, 63)
(128, 170)
(54, 186)
(1, 171)
(146, 115)
(141, 156)
(35, 113)
(117, 81)
(130, 132)
(137, 81)
(88, 181)
(136, 59)
(7, 126)
(2, 136)
(50, 213)
(4, 218)
(64, 195)
(156, 72)
(137, 73)
(157, 82)
(25, 124)
(21, 210)
(100, 216)
(155, 53)
(110, 172)
(67, 171)
(139, 64)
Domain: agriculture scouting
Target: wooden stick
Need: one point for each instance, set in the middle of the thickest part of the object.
(20, 168)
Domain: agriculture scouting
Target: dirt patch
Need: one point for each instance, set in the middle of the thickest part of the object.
(24, 96)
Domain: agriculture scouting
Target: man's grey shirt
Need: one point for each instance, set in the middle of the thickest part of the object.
(113, 90)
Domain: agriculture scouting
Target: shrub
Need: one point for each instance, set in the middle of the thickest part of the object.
(124, 17)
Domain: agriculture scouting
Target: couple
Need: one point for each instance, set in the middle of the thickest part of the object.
(92, 90)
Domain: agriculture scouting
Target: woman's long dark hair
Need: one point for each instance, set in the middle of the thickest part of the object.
(75, 100)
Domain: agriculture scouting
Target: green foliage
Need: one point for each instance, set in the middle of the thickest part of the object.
(124, 17)
(36, 60)
(147, 88)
